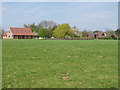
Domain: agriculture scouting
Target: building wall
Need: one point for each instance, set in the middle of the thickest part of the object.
(9, 34)
(4, 37)
(16, 37)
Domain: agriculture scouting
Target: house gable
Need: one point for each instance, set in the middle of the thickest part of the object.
(9, 33)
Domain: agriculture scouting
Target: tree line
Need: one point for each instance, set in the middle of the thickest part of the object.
(50, 29)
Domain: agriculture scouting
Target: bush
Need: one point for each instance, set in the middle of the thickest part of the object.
(83, 38)
(104, 38)
(109, 38)
(68, 37)
(118, 38)
(113, 37)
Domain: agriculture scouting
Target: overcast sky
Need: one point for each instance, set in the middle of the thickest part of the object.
(87, 15)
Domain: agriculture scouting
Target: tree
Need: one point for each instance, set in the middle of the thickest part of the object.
(54, 27)
(47, 24)
(84, 33)
(71, 33)
(96, 31)
(109, 33)
(25, 26)
(50, 25)
(32, 25)
(43, 24)
(76, 32)
(34, 30)
(118, 32)
(44, 32)
(63, 30)
(113, 36)
(1, 32)
(74, 27)
(39, 26)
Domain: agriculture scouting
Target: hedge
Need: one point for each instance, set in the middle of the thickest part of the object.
(104, 38)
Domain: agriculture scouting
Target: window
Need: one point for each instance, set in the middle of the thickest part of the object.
(21, 31)
(9, 31)
(29, 31)
(17, 30)
(25, 31)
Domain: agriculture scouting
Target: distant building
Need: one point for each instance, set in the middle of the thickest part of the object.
(97, 34)
(18, 33)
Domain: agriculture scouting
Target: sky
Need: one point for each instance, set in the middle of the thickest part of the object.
(83, 15)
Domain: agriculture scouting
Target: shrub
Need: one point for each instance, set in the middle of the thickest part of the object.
(118, 38)
(83, 38)
(104, 38)
(109, 38)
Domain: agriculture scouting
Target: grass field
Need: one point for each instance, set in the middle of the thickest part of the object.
(60, 63)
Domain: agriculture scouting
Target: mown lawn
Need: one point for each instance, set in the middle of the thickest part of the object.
(60, 63)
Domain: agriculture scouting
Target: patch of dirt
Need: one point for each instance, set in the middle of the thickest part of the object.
(75, 56)
(68, 56)
(65, 74)
(68, 84)
(99, 56)
(64, 78)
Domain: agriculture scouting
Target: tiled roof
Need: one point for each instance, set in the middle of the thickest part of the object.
(98, 33)
(21, 31)
(5, 33)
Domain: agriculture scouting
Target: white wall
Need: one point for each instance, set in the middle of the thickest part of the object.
(9, 34)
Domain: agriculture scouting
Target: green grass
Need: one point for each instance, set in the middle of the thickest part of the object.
(60, 63)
